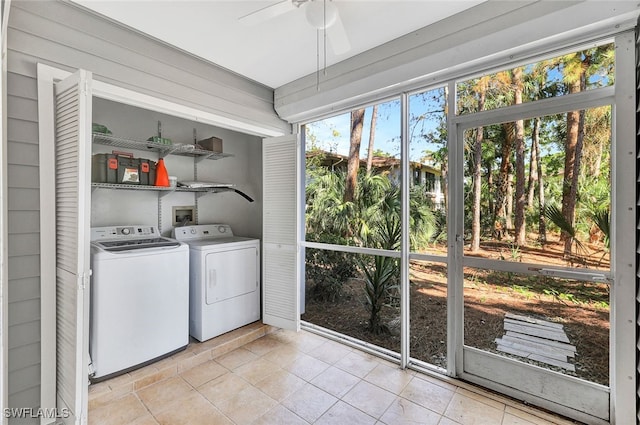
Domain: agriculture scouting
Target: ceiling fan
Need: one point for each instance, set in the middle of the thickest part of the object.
(320, 14)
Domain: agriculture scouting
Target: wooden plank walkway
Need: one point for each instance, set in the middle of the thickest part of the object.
(538, 340)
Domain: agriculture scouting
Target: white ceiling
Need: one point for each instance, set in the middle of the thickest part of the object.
(281, 49)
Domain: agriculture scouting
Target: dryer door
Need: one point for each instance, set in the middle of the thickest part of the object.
(230, 273)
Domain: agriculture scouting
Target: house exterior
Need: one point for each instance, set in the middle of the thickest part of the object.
(67, 37)
(421, 174)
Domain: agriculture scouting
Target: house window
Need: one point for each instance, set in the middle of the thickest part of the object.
(430, 182)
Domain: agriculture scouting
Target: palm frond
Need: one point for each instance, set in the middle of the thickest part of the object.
(602, 220)
(554, 214)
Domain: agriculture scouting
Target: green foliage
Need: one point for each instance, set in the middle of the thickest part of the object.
(440, 233)
(549, 78)
(328, 270)
(380, 278)
(554, 214)
(525, 291)
(373, 220)
(514, 253)
(359, 222)
(381, 273)
(424, 225)
(601, 218)
(328, 214)
(382, 154)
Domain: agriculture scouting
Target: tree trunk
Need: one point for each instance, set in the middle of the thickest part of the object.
(533, 162)
(509, 204)
(372, 136)
(477, 176)
(489, 165)
(477, 190)
(444, 178)
(520, 224)
(571, 167)
(444, 166)
(542, 225)
(502, 220)
(597, 165)
(357, 118)
(573, 194)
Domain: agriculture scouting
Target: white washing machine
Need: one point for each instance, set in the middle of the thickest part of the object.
(139, 310)
(224, 279)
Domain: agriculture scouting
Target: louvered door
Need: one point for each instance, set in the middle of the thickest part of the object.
(281, 290)
(72, 209)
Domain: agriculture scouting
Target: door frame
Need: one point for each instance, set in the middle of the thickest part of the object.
(46, 77)
(622, 314)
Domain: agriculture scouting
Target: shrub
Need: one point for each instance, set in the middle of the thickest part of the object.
(327, 271)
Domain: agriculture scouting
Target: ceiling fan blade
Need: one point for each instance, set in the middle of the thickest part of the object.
(266, 13)
(338, 37)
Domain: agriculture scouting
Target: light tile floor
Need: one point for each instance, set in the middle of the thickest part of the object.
(259, 375)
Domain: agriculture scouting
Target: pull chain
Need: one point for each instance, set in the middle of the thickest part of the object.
(317, 60)
(324, 31)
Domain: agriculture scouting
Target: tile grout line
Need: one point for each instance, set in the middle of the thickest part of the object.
(257, 334)
(253, 334)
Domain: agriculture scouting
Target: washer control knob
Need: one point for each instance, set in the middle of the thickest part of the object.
(125, 231)
(222, 229)
(193, 231)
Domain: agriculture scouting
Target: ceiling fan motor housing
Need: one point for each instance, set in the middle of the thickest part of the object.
(321, 14)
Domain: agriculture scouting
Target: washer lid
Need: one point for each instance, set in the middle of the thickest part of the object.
(133, 243)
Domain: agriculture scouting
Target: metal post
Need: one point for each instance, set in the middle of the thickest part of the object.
(405, 246)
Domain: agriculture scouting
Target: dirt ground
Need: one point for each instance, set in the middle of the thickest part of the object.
(581, 307)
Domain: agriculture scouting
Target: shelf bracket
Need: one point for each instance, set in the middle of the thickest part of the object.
(201, 158)
(160, 212)
(163, 193)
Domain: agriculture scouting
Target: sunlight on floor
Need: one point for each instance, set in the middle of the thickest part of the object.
(262, 375)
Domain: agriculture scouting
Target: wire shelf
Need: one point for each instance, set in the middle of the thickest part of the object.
(182, 149)
(124, 186)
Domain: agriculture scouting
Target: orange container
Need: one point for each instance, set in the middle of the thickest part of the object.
(162, 176)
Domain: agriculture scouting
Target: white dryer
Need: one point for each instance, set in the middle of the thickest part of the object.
(224, 279)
